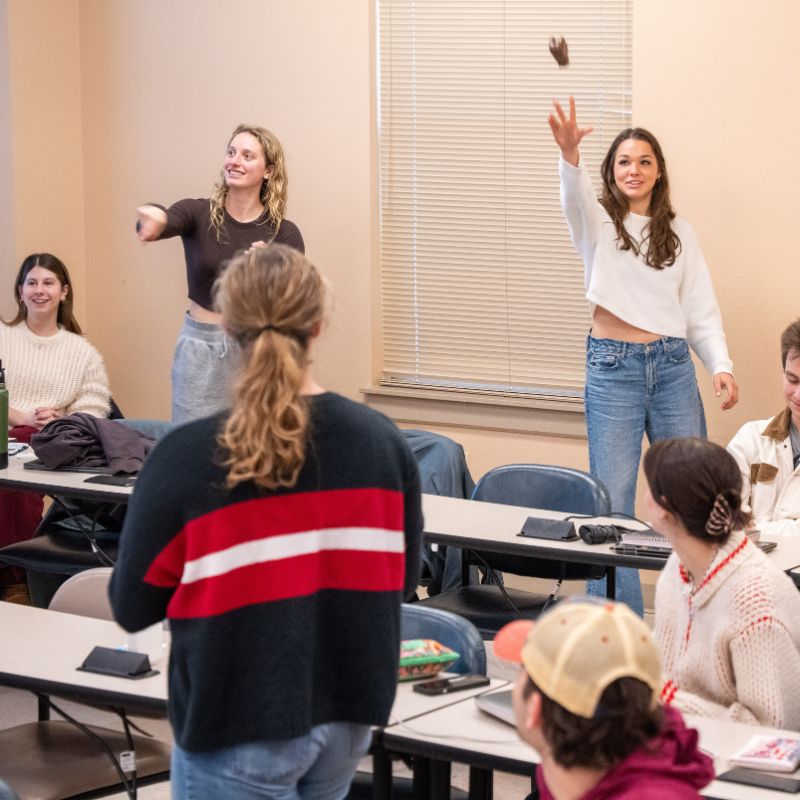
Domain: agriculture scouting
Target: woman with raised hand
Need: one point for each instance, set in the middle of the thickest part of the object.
(727, 619)
(247, 209)
(279, 538)
(652, 302)
(51, 370)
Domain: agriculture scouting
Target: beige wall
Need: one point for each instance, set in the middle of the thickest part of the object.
(136, 99)
(42, 197)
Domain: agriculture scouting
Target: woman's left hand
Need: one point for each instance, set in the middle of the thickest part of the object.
(725, 382)
(44, 415)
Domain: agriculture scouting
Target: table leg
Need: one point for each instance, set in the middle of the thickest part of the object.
(481, 785)
(440, 780)
(381, 774)
(611, 583)
(43, 707)
(422, 778)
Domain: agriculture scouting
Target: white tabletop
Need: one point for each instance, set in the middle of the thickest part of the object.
(487, 740)
(71, 484)
(43, 649)
(409, 704)
(495, 527)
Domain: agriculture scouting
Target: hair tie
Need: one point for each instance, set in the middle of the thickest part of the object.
(720, 520)
(300, 338)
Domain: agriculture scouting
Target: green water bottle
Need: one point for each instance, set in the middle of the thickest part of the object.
(3, 419)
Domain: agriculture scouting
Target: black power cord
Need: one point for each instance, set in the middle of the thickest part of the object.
(89, 533)
(499, 583)
(129, 786)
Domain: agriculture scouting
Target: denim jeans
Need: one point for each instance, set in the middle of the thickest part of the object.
(633, 390)
(317, 766)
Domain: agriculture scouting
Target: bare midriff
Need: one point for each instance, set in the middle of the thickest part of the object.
(196, 311)
(606, 325)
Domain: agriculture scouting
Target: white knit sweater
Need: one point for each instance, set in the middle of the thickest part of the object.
(730, 646)
(62, 371)
(675, 301)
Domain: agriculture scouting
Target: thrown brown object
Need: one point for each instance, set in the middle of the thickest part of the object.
(559, 50)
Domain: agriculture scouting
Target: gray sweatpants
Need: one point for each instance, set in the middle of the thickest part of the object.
(203, 370)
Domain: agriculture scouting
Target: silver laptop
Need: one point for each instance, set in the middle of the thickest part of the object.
(498, 704)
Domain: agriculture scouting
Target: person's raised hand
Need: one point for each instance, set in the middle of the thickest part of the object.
(566, 131)
(725, 382)
(150, 222)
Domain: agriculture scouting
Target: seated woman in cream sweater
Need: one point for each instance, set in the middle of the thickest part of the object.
(51, 370)
(727, 619)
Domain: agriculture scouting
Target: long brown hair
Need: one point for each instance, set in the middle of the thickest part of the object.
(272, 301)
(661, 244)
(700, 483)
(273, 189)
(47, 261)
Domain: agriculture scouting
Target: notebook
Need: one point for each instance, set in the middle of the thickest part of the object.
(650, 543)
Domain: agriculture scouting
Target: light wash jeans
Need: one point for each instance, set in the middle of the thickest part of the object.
(317, 766)
(632, 390)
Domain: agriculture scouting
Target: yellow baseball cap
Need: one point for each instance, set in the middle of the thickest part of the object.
(575, 651)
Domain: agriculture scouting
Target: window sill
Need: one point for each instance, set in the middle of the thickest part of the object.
(549, 416)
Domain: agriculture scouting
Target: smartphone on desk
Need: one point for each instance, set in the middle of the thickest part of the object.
(763, 780)
(455, 684)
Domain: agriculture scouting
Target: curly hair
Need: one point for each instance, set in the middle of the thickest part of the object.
(790, 342)
(273, 189)
(272, 301)
(700, 483)
(661, 244)
(625, 720)
(66, 317)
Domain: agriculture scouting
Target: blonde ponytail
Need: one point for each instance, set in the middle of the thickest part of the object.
(272, 301)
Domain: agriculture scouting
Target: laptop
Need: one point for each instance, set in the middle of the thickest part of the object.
(497, 704)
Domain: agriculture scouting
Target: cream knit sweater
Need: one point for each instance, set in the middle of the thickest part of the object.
(62, 371)
(730, 646)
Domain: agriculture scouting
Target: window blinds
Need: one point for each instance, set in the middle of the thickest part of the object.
(481, 287)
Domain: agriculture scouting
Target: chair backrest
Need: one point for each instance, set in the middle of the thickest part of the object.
(423, 622)
(85, 594)
(547, 487)
(544, 486)
(6, 792)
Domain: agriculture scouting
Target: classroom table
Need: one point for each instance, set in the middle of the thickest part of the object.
(48, 646)
(495, 527)
(448, 520)
(487, 745)
(44, 649)
(58, 482)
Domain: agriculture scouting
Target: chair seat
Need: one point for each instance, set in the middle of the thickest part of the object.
(486, 607)
(61, 553)
(52, 760)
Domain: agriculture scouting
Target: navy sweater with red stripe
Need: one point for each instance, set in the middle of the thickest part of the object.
(284, 605)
